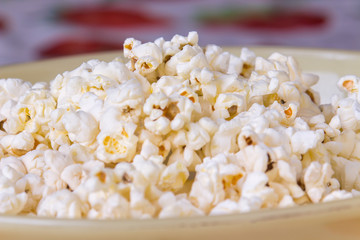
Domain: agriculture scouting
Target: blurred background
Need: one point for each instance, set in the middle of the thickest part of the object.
(38, 29)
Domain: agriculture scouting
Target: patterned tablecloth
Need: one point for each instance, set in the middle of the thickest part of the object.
(38, 29)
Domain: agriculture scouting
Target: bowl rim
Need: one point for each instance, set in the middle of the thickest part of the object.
(341, 209)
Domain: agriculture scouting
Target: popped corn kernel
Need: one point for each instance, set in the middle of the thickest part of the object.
(61, 204)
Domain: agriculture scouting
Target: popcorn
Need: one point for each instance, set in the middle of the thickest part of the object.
(18, 144)
(116, 140)
(226, 207)
(228, 105)
(288, 174)
(61, 204)
(35, 188)
(302, 141)
(129, 44)
(73, 175)
(12, 168)
(34, 162)
(12, 202)
(173, 176)
(253, 158)
(349, 84)
(214, 178)
(81, 127)
(316, 177)
(177, 206)
(116, 146)
(176, 130)
(12, 89)
(255, 189)
(108, 206)
(337, 195)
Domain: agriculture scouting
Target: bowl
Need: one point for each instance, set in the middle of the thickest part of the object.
(332, 220)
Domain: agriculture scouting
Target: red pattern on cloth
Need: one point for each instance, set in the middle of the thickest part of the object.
(107, 16)
(77, 46)
(2, 23)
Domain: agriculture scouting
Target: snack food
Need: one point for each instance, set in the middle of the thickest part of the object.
(113, 141)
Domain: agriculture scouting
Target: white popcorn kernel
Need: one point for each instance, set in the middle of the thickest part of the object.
(11, 202)
(61, 204)
(224, 139)
(255, 189)
(193, 38)
(286, 201)
(56, 161)
(347, 172)
(148, 149)
(349, 113)
(288, 174)
(335, 122)
(253, 158)
(302, 141)
(148, 49)
(148, 168)
(230, 83)
(177, 206)
(209, 125)
(278, 57)
(106, 75)
(309, 80)
(159, 126)
(349, 84)
(18, 144)
(226, 207)
(34, 186)
(58, 135)
(197, 137)
(92, 104)
(228, 105)
(12, 168)
(53, 180)
(146, 65)
(250, 204)
(34, 162)
(73, 175)
(140, 206)
(12, 88)
(288, 91)
(337, 195)
(183, 62)
(108, 206)
(221, 62)
(173, 176)
(81, 127)
(215, 178)
(128, 45)
(116, 146)
(185, 155)
(263, 65)
(316, 177)
(235, 65)
(168, 85)
(346, 142)
(247, 56)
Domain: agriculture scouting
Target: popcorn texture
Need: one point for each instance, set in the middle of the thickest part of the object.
(177, 130)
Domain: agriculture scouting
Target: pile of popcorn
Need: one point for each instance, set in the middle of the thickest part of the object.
(176, 130)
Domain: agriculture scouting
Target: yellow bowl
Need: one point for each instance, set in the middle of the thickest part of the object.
(333, 220)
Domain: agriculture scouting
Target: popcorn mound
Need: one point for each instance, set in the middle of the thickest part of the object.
(177, 130)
